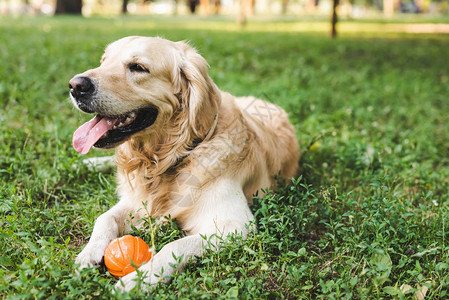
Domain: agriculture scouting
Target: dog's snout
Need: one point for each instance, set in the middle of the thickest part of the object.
(81, 86)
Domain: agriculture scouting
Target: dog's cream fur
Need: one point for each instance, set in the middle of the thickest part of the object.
(207, 189)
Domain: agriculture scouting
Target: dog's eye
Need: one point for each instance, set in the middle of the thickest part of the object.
(137, 68)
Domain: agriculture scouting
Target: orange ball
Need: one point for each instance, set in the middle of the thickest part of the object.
(121, 251)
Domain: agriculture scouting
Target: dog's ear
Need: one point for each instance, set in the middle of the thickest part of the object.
(195, 90)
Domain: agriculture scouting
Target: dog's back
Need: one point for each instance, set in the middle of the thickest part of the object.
(274, 131)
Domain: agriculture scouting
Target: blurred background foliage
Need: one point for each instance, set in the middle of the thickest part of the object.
(239, 8)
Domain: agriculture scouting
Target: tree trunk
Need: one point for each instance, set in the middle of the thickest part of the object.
(388, 8)
(251, 7)
(334, 18)
(192, 5)
(204, 4)
(175, 12)
(284, 7)
(125, 7)
(68, 7)
(217, 6)
(242, 13)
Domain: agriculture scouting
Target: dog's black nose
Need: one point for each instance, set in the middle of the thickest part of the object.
(81, 86)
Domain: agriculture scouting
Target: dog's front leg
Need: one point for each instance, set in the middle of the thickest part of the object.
(223, 209)
(171, 258)
(107, 227)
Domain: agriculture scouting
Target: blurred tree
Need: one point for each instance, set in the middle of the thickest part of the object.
(125, 7)
(217, 6)
(246, 9)
(210, 6)
(68, 7)
(204, 5)
(284, 7)
(251, 6)
(334, 18)
(388, 7)
(192, 5)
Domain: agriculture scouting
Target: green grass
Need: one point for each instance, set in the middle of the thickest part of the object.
(367, 216)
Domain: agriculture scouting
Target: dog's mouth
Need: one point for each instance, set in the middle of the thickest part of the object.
(107, 131)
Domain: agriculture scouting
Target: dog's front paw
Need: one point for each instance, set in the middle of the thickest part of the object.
(91, 255)
(127, 283)
(148, 281)
(130, 281)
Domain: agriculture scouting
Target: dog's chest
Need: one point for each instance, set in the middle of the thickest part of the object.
(167, 195)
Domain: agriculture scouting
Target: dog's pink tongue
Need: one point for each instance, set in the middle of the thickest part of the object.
(90, 132)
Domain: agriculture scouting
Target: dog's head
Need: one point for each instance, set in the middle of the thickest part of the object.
(142, 85)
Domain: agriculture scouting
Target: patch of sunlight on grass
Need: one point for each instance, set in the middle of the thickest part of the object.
(393, 28)
(365, 28)
(309, 26)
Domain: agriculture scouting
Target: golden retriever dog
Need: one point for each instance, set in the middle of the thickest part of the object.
(184, 149)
